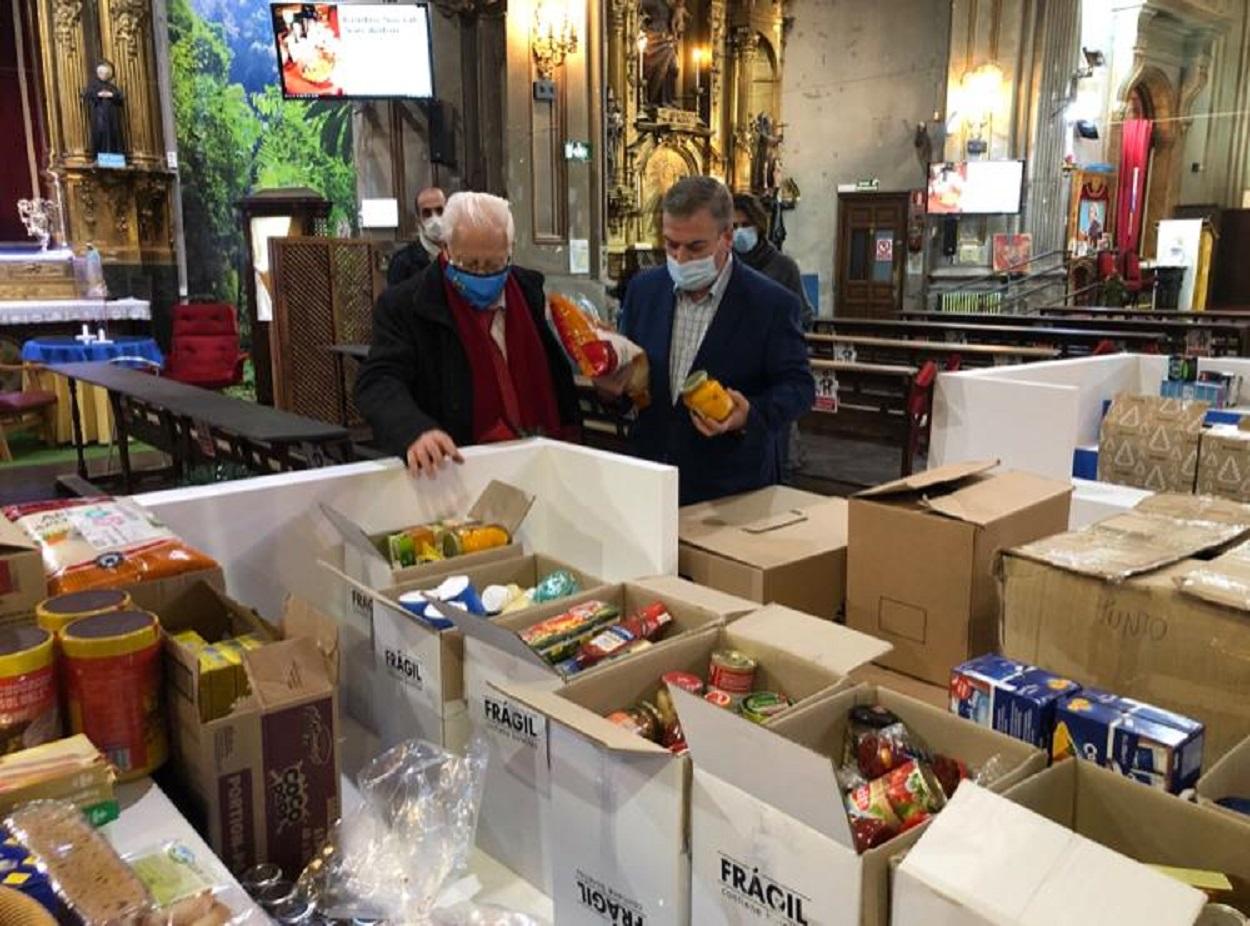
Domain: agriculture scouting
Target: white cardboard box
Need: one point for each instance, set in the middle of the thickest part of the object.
(513, 826)
(621, 802)
(1065, 846)
(770, 838)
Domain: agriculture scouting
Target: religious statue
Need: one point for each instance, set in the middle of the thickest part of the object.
(104, 101)
(615, 130)
(764, 161)
(663, 24)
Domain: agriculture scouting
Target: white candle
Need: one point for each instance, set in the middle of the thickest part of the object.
(100, 335)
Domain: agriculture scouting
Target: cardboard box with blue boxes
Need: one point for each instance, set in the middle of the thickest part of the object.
(1010, 697)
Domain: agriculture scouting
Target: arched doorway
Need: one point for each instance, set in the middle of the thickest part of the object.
(1152, 96)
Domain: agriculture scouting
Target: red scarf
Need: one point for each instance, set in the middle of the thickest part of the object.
(512, 396)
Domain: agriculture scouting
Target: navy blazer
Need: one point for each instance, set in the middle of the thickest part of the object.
(754, 345)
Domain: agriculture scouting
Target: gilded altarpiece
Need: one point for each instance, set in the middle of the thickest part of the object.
(693, 87)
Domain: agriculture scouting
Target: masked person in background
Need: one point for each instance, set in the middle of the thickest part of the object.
(709, 311)
(413, 258)
(462, 354)
(757, 252)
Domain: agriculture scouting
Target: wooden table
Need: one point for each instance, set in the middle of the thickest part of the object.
(193, 424)
(889, 349)
(1063, 338)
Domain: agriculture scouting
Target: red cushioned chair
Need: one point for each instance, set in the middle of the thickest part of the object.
(204, 350)
(1135, 282)
(30, 408)
(919, 415)
(1107, 263)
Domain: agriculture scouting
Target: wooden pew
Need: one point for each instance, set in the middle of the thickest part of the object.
(949, 355)
(1069, 340)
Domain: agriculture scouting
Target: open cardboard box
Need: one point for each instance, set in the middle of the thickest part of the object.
(513, 825)
(947, 525)
(1065, 846)
(366, 558)
(770, 837)
(773, 545)
(1152, 603)
(620, 801)
(22, 583)
(284, 731)
(1229, 777)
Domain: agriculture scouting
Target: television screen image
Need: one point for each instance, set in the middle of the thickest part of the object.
(975, 187)
(353, 50)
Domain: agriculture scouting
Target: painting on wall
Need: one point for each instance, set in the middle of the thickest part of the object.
(1012, 253)
(1091, 216)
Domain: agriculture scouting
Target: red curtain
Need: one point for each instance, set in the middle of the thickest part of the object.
(1131, 201)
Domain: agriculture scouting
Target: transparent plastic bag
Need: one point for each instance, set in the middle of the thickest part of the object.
(595, 349)
(395, 856)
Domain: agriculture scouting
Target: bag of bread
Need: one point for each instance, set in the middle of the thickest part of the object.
(595, 349)
(90, 543)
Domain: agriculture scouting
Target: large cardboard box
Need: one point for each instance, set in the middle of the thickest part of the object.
(1229, 777)
(264, 779)
(514, 826)
(1151, 442)
(367, 560)
(769, 835)
(920, 568)
(935, 695)
(1224, 463)
(1070, 845)
(621, 802)
(1127, 605)
(773, 545)
(22, 583)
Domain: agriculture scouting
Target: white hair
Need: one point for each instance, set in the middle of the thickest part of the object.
(477, 209)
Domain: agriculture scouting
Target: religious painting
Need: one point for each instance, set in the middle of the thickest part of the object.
(1012, 253)
(664, 168)
(1091, 216)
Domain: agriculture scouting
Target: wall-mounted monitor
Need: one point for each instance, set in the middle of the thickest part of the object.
(353, 50)
(976, 188)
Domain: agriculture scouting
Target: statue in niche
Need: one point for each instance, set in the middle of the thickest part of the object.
(104, 101)
(764, 162)
(664, 25)
(615, 126)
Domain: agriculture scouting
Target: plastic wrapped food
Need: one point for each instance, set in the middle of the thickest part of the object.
(103, 543)
(182, 889)
(879, 741)
(573, 622)
(597, 351)
(555, 585)
(87, 874)
(645, 624)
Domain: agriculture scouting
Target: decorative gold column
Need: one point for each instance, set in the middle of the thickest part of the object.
(66, 66)
(746, 46)
(126, 40)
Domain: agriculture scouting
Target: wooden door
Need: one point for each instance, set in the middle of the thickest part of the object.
(872, 252)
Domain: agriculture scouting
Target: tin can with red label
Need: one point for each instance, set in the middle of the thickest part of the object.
(732, 672)
(719, 698)
(910, 791)
(687, 681)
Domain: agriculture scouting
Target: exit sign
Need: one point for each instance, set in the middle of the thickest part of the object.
(577, 151)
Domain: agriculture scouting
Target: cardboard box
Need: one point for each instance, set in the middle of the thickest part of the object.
(934, 695)
(265, 778)
(1070, 845)
(366, 558)
(514, 826)
(770, 839)
(773, 545)
(22, 583)
(1224, 463)
(1009, 697)
(920, 569)
(1142, 742)
(1151, 442)
(1126, 606)
(621, 802)
(1229, 777)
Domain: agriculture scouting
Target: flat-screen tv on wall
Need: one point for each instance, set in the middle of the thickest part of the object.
(353, 50)
(976, 187)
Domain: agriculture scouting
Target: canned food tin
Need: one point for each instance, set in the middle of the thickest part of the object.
(259, 876)
(687, 681)
(29, 710)
(1218, 914)
(274, 894)
(732, 672)
(719, 698)
(642, 719)
(55, 613)
(763, 705)
(293, 912)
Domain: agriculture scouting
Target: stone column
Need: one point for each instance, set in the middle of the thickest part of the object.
(1046, 210)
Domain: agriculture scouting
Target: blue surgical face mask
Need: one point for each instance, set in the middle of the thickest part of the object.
(480, 290)
(693, 275)
(745, 239)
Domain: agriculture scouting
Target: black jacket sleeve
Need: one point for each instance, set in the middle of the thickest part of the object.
(788, 275)
(384, 387)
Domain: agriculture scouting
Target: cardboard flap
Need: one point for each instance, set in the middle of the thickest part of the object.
(984, 502)
(823, 643)
(718, 602)
(1196, 508)
(502, 504)
(929, 479)
(301, 619)
(794, 779)
(766, 528)
(1129, 544)
(586, 722)
(775, 522)
(287, 671)
(492, 634)
(13, 537)
(352, 534)
(372, 593)
(1009, 865)
(1223, 581)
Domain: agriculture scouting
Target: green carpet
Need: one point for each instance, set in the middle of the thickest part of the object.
(29, 450)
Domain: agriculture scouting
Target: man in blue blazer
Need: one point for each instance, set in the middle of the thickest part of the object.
(708, 311)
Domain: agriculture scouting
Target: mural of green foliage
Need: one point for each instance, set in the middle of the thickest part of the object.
(232, 142)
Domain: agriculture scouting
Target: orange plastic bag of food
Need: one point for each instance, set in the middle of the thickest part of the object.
(597, 351)
(91, 543)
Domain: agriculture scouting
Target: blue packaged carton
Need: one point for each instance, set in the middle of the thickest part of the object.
(1010, 697)
(1140, 741)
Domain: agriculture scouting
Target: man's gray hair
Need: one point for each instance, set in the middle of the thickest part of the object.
(690, 195)
(477, 209)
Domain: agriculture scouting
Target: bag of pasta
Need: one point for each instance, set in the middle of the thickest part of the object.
(90, 543)
(597, 351)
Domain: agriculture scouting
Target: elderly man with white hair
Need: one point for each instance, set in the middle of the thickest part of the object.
(462, 353)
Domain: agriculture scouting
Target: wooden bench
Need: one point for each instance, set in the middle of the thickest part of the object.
(949, 355)
(1068, 341)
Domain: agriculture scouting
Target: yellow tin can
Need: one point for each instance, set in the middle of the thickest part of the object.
(55, 613)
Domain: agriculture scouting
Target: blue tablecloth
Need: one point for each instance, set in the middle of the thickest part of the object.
(64, 349)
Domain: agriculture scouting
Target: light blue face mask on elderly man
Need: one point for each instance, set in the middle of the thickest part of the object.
(480, 290)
